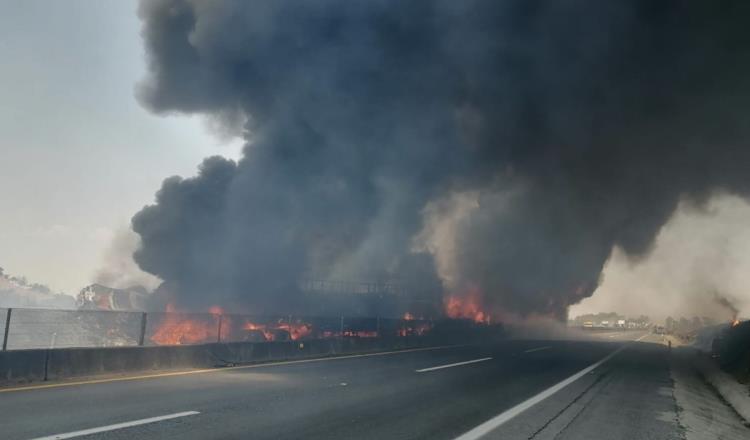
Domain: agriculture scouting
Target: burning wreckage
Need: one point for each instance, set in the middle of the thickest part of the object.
(360, 310)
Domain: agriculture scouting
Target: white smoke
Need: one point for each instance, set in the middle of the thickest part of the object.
(701, 253)
(118, 268)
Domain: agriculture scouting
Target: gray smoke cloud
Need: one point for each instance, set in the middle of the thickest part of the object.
(505, 145)
(118, 270)
(700, 266)
(726, 304)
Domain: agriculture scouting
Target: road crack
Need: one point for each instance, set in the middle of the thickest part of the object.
(578, 397)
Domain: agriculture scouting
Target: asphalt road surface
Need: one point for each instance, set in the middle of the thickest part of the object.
(507, 390)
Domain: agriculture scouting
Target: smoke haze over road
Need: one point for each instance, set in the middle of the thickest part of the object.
(700, 259)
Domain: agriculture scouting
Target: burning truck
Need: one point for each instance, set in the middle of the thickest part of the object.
(323, 309)
(178, 328)
(99, 297)
(461, 315)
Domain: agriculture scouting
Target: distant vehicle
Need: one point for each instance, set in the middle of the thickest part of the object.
(588, 324)
(659, 330)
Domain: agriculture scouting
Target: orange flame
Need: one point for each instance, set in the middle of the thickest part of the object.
(267, 334)
(178, 329)
(735, 322)
(412, 327)
(296, 330)
(467, 306)
(415, 329)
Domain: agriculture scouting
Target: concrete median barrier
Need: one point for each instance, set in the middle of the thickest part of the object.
(78, 362)
(24, 366)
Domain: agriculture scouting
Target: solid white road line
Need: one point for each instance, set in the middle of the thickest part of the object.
(440, 367)
(490, 425)
(537, 349)
(118, 426)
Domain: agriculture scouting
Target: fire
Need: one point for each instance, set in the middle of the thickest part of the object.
(270, 331)
(415, 329)
(267, 334)
(467, 306)
(297, 331)
(414, 326)
(183, 332)
(179, 329)
(175, 330)
(735, 322)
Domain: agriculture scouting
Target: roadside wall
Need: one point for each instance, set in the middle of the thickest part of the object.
(25, 366)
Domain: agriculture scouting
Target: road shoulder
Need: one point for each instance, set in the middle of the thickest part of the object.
(630, 396)
(703, 412)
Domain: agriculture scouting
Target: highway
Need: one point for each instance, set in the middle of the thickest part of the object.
(498, 391)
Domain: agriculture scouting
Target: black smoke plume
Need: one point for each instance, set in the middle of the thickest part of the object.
(566, 127)
(726, 304)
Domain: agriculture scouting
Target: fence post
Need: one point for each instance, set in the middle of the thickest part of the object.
(142, 337)
(289, 328)
(341, 329)
(377, 327)
(218, 333)
(46, 363)
(7, 329)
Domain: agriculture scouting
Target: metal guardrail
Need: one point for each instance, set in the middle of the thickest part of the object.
(42, 328)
